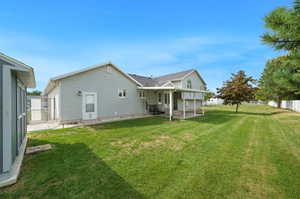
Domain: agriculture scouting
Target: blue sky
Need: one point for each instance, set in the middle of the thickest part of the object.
(144, 37)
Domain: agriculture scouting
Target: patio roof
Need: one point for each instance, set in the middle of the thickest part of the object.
(172, 89)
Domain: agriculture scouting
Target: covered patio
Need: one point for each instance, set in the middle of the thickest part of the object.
(176, 103)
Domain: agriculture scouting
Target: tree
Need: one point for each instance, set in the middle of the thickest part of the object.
(280, 80)
(208, 95)
(284, 27)
(237, 90)
(281, 77)
(34, 93)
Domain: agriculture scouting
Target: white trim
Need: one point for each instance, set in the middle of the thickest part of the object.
(14, 61)
(183, 108)
(192, 73)
(169, 82)
(7, 119)
(194, 107)
(173, 88)
(54, 79)
(20, 66)
(188, 74)
(12, 176)
(171, 105)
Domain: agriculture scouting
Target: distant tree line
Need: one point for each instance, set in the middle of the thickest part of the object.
(34, 93)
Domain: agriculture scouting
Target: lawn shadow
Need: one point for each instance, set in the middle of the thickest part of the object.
(214, 117)
(222, 116)
(140, 122)
(69, 171)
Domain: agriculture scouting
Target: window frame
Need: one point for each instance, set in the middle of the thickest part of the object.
(123, 93)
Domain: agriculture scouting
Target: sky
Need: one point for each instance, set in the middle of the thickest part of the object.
(149, 38)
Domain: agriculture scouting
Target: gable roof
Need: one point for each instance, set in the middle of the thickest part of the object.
(173, 76)
(24, 72)
(145, 81)
(52, 81)
(164, 79)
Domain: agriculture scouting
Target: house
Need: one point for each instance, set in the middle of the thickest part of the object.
(105, 91)
(214, 101)
(15, 78)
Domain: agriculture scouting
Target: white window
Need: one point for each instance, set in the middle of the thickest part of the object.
(141, 94)
(159, 98)
(189, 84)
(122, 93)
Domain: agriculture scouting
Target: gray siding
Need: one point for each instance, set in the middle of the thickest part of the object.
(1, 119)
(7, 155)
(54, 103)
(12, 130)
(196, 81)
(105, 82)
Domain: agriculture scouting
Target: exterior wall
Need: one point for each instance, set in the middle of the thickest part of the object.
(177, 84)
(105, 82)
(7, 116)
(13, 129)
(36, 105)
(1, 119)
(54, 103)
(196, 81)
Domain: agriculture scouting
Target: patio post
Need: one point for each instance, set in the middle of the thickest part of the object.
(194, 106)
(183, 107)
(171, 105)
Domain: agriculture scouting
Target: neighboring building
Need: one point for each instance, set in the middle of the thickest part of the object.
(214, 101)
(105, 91)
(15, 78)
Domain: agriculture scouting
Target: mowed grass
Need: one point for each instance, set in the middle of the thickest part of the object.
(251, 154)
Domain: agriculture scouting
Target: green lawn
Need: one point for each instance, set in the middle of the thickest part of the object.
(252, 154)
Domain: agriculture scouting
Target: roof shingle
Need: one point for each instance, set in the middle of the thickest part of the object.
(159, 81)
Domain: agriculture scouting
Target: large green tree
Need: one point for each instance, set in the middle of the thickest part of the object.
(281, 77)
(238, 89)
(284, 28)
(280, 80)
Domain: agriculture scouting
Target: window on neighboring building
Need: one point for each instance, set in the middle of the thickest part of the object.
(159, 98)
(189, 84)
(122, 93)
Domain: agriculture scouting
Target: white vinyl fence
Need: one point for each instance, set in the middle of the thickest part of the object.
(291, 105)
(213, 102)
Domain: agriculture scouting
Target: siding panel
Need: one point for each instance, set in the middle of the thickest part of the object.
(1, 119)
(105, 82)
(14, 115)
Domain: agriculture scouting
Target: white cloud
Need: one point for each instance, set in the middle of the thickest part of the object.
(212, 55)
